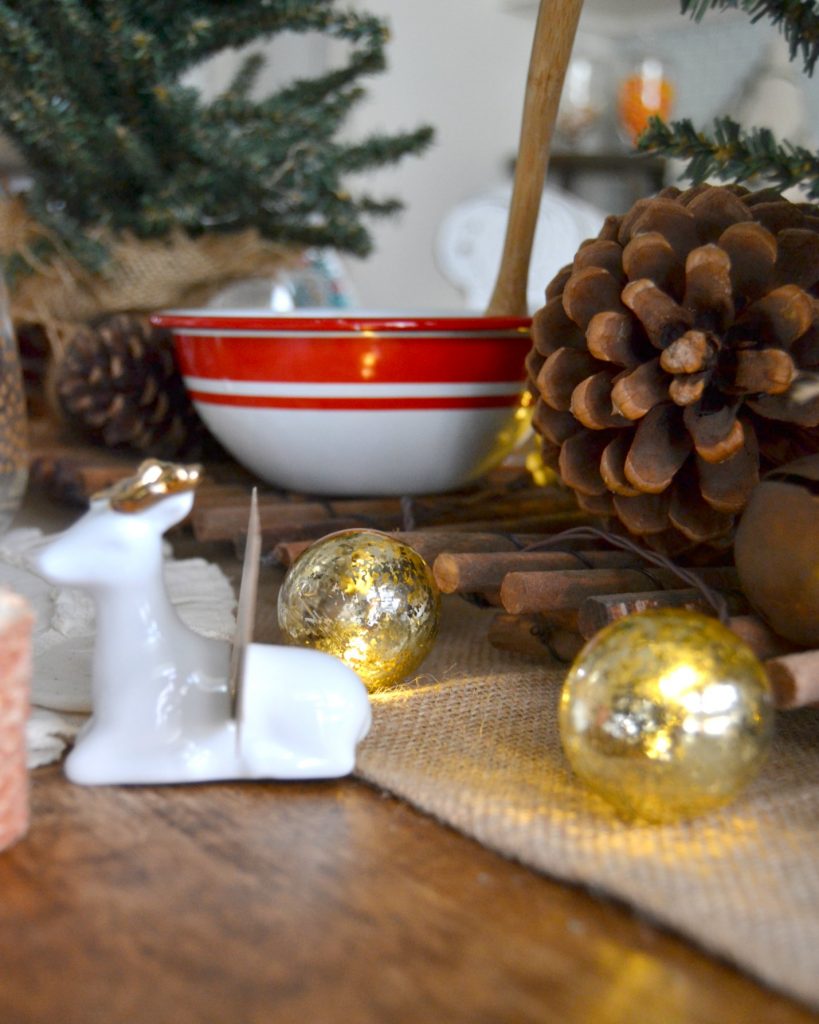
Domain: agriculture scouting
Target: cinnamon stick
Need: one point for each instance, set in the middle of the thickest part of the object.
(428, 543)
(596, 612)
(533, 523)
(473, 572)
(545, 636)
(524, 592)
(534, 636)
(227, 520)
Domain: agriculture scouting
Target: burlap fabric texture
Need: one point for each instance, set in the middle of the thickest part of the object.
(474, 741)
(140, 276)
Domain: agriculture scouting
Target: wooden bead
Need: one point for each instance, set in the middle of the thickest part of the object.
(777, 550)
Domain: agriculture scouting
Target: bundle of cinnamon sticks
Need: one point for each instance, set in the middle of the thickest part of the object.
(547, 603)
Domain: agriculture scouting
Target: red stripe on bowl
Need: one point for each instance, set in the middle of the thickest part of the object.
(329, 359)
(387, 404)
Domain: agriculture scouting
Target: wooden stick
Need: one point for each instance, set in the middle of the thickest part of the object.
(428, 543)
(543, 523)
(552, 45)
(469, 572)
(596, 612)
(534, 636)
(227, 520)
(796, 682)
(759, 636)
(794, 678)
(524, 592)
(310, 532)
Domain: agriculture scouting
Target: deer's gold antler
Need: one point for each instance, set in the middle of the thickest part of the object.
(153, 481)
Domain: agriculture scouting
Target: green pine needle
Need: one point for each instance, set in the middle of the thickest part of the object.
(798, 20)
(731, 153)
(91, 94)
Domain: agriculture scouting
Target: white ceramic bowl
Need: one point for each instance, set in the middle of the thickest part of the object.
(346, 403)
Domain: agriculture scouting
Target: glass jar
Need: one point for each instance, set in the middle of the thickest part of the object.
(645, 92)
(582, 103)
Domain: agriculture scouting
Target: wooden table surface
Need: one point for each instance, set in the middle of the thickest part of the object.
(321, 903)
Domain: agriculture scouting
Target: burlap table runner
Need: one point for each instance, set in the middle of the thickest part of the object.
(474, 741)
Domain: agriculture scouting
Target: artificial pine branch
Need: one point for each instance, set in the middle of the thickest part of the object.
(733, 154)
(798, 21)
(90, 92)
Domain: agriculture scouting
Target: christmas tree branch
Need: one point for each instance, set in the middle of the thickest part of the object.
(733, 154)
(201, 37)
(798, 20)
(246, 77)
(90, 92)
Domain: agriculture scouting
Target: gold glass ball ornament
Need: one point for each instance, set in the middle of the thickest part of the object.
(666, 714)
(366, 598)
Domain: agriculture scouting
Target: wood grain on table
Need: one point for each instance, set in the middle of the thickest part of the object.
(322, 902)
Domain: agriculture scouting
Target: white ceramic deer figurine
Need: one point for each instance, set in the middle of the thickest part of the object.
(162, 706)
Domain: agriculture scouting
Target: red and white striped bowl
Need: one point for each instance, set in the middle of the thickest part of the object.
(341, 402)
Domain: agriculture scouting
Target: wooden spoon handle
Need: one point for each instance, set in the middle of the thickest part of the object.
(552, 46)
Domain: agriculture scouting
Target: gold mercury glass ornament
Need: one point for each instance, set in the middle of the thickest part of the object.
(666, 714)
(366, 598)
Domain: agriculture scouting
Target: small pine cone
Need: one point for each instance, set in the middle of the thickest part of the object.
(668, 359)
(117, 382)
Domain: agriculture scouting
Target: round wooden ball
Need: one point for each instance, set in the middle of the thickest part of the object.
(776, 550)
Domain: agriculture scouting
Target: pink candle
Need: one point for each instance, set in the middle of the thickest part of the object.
(15, 674)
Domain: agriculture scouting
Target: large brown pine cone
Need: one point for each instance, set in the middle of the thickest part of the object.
(668, 359)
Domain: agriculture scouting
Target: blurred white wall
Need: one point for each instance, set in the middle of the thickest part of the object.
(461, 66)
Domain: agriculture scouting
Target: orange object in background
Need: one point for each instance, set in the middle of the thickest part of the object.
(643, 94)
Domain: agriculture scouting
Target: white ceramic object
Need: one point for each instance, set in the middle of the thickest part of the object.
(469, 242)
(162, 708)
(356, 403)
